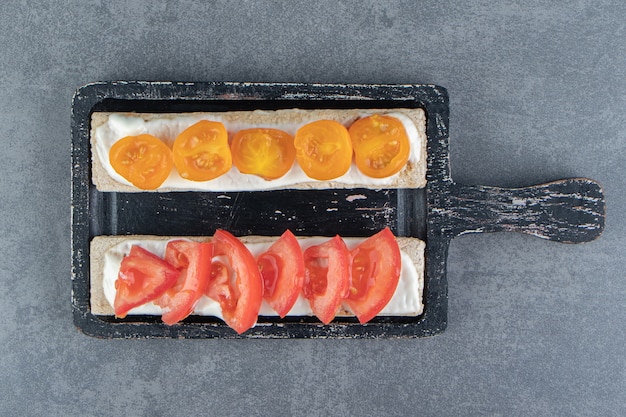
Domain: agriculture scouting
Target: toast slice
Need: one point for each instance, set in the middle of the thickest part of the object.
(106, 128)
(106, 253)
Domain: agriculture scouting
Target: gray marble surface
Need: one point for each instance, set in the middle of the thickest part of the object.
(538, 92)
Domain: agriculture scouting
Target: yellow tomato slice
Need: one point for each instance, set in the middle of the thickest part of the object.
(143, 160)
(381, 145)
(201, 151)
(268, 153)
(323, 149)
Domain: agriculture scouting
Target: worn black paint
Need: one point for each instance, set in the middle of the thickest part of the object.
(267, 213)
(566, 211)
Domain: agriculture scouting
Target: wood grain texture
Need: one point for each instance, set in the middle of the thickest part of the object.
(568, 211)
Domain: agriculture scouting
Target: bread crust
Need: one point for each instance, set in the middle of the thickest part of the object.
(413, 247)
(413, 175)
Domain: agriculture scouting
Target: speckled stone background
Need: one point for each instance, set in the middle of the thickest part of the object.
(538, 92)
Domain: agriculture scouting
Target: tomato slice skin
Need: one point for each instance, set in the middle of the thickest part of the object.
(323, 149)
(381, 145)
(201, 152)
(193, 262)
(327, 277)
(143, 160)
(268, 153)
(241, 309)
(282, 270)
(375, 272)
(142, 278)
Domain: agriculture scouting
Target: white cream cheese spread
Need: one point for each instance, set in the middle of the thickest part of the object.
(406, 301)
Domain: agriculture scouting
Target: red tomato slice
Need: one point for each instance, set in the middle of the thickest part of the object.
(282, 270)
(193, 261)
(143, 277)
(241, 292)
(219, 288)
(327, 277)
(376, 264)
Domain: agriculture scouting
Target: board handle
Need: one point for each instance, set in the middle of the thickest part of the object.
(568, 211)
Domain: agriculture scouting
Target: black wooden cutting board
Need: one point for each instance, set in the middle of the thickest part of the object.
(570, 210)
